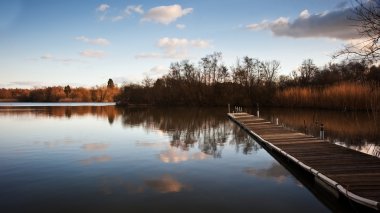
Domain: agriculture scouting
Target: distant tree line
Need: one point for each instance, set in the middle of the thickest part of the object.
(251, 81)
(62, 94)
(207, 83)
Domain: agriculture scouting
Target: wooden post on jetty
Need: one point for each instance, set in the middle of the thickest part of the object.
(322, 133)
(258, 111)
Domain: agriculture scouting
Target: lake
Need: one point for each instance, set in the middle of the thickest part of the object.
(97, 158)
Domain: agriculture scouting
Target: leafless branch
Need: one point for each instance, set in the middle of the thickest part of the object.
(366, 15)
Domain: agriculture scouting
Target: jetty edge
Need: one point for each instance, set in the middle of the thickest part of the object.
(340, 170)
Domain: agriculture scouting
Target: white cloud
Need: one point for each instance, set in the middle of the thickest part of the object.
(129, 10)
(117, 18)
(175, 48)
(172, 43)
(103, 7)
(180, 26)
(199, 43)
(178, 47)
(304, 14)
(134, 9)
(331, 24)
(166, 14)
(96, 41)
(93, 53)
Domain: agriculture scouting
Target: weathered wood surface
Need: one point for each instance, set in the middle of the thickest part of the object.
(357, 172)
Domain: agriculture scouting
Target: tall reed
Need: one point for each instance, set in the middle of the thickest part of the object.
(345, 96)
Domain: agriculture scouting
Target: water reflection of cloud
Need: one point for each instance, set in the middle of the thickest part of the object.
(150, 144)
(165, 184)
(275, 171)
(175, 155)
(95, 159)
(94, 146)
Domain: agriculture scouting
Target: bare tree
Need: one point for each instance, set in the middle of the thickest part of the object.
(189, 71)
(222, 75)
(270, 70)
(210, 65)
(175, 71)
(147, 82)
(307, 71)
(366, 16)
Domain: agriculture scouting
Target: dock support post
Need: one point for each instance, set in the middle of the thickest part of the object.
(229, 108)
(322, 133)
(277, 121)
(258, 111)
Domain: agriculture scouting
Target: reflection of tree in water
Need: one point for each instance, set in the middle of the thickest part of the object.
(68, 112)
(208, 128)
(243, 141)
(110, 112)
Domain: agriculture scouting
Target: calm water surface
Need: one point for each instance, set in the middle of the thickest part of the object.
(105, 159)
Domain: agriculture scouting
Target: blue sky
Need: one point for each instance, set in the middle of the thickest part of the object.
(83, 43)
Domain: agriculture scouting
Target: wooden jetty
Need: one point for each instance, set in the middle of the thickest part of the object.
(342, 171)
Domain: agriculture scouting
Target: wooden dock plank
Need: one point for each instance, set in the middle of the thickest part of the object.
(357, 172)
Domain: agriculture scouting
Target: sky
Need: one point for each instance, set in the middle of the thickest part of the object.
(84, 43)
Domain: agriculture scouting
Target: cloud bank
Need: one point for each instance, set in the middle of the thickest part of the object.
(331, 24)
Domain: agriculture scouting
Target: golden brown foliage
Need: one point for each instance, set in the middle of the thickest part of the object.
(344, 96)
(57, 94)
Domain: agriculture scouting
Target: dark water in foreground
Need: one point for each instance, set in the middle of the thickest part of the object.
(105, 159)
